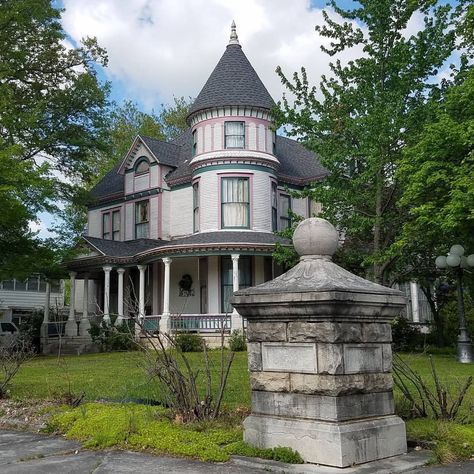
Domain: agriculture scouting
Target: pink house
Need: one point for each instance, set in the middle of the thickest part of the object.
(177, 226)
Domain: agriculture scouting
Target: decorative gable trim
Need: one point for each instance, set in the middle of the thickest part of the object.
(132, 152)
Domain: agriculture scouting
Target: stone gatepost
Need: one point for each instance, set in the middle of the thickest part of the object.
(320, 358)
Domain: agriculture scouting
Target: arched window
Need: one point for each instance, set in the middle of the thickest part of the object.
(142, 165)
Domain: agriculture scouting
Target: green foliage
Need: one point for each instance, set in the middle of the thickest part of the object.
(189, 342)
(241, 448)
(138, 427)
(111, 337)
(237, 342)
(451, 441)
(406, 336)
(363, 112)
(450, 316)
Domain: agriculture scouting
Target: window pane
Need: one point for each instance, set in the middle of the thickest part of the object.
(33, 284)
(235, 202)
(8, 285)
(55, 286)
(142, 166)
(106, 225)
(284, 205)
(42, 285)
(234, 134)
(141, 231)
(20, 285)
(141, 212)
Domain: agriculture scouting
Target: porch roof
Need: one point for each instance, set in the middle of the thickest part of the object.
(146, 250)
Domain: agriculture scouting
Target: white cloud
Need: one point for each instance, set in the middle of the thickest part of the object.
(165, 48)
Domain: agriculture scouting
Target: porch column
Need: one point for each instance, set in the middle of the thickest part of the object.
(44, 326)
(107, 271)
(85, 324)
(71, 325)
(119, 320)
(236, 319)
(141, 293)
(165, 325)
(415, 306)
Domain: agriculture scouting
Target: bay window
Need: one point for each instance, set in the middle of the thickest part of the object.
(234, 135)
(142, 220)
(235, 202)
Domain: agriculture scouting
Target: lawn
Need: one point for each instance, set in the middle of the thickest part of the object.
(120, 376)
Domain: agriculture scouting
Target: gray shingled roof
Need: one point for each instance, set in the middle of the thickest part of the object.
(233, 82)
(165, 152)
(128, 248)
(110, 185)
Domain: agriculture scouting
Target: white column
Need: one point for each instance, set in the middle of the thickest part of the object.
(141, 293)
(107, 271)
(165, 325)
(236, 319)
(71, 325)
(415, 305)
(85, 324)
(119, 319)
(44, 326)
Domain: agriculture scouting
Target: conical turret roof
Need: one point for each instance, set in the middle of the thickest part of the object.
(233, 82)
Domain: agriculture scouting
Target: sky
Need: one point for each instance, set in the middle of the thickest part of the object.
(160, 49)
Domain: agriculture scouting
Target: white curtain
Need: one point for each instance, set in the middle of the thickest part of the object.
(234, 132)
(235, 202)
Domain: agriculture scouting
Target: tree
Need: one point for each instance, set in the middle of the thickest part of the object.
(365, 113)
(52, 110)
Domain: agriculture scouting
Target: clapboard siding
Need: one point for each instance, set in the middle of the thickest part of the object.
(181, 211)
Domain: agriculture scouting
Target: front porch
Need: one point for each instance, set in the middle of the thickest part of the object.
(168, 294)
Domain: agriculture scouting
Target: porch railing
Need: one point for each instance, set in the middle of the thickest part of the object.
(201, 322)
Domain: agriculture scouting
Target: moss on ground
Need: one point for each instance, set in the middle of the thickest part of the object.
(139, 427)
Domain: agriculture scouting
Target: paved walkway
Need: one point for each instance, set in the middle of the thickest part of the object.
(22, 452)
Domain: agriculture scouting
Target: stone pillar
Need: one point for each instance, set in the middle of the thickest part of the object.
(85, 324)
(119, 320)
(320, 358)
(235, 319)
(165, 325)
(141, 293)
(71, 325)
(45, 324)
(107, 271)
(415, 305)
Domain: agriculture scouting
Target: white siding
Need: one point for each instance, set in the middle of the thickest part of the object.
(261, 137)
(269, 136)
(141, 182)
(260, 200)
(154, 204)
(181, 304)
(213, 286)
(181, 211)
(155, 176)
(94, 224)
(218, 136)
(200, 140)
(29, 299)
(252, 136)
(128, 180)
(207, 138)
(165, 218)
(129, 221)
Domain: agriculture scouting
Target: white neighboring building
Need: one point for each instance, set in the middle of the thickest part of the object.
(19, 299)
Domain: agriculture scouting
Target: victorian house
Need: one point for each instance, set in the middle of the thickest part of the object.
(177, 226)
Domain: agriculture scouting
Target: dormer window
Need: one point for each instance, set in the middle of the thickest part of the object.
(235, 135)
(142, 165)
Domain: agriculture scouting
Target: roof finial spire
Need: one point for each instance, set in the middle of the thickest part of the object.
(234, 39)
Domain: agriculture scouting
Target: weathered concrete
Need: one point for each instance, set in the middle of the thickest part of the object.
(320, 358)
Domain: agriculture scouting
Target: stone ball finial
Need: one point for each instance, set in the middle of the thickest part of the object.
(315, 236)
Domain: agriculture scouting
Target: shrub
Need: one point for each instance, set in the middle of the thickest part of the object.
(189, 342)
(237, 342)
(112, 338)
(406, 337)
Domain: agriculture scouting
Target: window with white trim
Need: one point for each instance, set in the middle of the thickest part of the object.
(142, 165)
(111, 225)
(285, 207)
(234, 135)
(142, 220)
(274, 199)
(235, 202)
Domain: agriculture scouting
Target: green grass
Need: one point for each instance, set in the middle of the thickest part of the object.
(116, 376)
